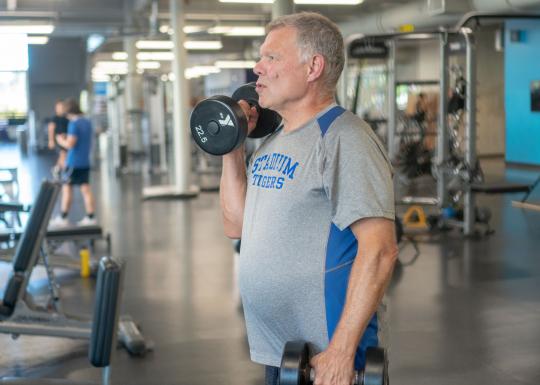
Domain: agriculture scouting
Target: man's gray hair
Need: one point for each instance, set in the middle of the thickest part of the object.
(316, 34)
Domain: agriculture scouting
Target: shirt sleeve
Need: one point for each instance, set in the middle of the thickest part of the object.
(357, 176)
(72, 129)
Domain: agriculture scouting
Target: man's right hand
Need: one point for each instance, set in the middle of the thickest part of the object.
(251, 113)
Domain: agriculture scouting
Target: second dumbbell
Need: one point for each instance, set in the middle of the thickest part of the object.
(296, 370)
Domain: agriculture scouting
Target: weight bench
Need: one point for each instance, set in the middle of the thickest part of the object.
(14, 208)
(509, 188)
(57, 236)
(103, 334)
(19, 314)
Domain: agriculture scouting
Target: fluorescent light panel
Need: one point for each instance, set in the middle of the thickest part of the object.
(203, 45)
(197, 71)
(154, 44)
(160, 56)
(119, 55)
(32, 29)
(329, 2)
(194, 28)
(38, 40)
(149, 65)
(235, 63)
(238, 30)
(248, 1)
(311, 2)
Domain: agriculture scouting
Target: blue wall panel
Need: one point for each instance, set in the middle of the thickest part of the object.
(521, 67)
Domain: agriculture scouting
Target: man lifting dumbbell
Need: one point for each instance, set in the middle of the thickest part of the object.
(315, 209)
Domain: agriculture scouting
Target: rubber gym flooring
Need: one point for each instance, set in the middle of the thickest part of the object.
(462, 312)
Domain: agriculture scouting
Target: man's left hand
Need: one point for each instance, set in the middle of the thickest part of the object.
(333, 367)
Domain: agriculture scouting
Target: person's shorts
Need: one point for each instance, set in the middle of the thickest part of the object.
(79, 176)
(58, 147)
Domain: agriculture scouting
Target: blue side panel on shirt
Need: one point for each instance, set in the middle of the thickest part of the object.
(341, 251)
(340, 254)
(329, 116)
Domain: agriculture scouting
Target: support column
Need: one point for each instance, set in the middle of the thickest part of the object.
(391, 102)
(470, 133)
(133, 92)
(442, 133)
(182, 187)
(282, 8)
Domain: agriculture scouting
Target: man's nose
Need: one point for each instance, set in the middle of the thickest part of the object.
(258, 68)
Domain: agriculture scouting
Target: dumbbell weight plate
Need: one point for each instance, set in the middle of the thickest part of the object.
(376, 370)
(268, 120)
(218, 125)
(294, 368)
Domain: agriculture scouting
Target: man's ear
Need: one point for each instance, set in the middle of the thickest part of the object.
(315, 67)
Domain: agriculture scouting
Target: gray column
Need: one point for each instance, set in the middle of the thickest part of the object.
(470, 133)
(391, 102)
(182, 187)
(281, 8)
(133, 100)
(181, 134)
(442, 134)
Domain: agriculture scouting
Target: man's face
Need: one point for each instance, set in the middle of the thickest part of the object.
(60, 110)
(282, 75)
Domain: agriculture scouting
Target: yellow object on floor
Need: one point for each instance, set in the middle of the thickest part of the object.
(415, 217)
(85, 262)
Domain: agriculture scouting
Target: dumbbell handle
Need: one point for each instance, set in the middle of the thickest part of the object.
(356, 380)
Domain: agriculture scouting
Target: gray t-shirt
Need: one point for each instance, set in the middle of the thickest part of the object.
(305, 189)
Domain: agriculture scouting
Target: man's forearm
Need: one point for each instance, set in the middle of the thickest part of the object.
(233, 192)
(369, 278)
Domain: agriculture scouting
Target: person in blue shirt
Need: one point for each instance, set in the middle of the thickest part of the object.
(78, 142)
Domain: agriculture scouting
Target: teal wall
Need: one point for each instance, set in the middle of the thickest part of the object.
(521, 66)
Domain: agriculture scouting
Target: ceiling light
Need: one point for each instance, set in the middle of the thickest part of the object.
(154, 44)
(329, 2)
(163, 56)
(246, 31)
(238, 30)
(203, 45)
(110, 64)
(108, 71)
(248, 1)
(219, 29)
(164, 28)
(148, 65)
(194, 28)
(31, 29)
(98, 78)
(119, 56)
(197, 71)
(37, 40)
(235, 63)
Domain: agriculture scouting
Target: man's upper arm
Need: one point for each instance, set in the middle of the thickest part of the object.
(357, 176)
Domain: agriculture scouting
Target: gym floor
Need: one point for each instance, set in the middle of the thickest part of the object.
(462, 312)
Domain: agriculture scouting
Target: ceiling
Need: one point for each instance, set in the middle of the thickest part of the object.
(110, 17)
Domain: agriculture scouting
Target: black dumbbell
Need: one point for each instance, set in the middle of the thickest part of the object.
(296, 370)
(219, 125)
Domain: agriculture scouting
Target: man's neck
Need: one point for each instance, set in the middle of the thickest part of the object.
(301, 112)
